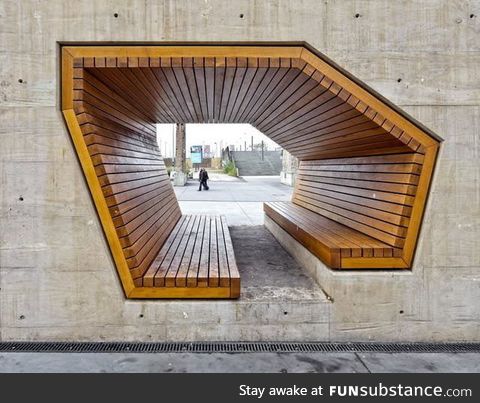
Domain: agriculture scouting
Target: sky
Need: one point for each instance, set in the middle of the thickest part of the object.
(217, 135)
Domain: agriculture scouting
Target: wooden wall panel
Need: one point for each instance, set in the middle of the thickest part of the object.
(121, 140)
(372, 194)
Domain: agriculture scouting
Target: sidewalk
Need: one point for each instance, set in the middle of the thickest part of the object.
(237, 363)
(239, 199)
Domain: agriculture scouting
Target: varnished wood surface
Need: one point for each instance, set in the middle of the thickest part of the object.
(337, 245)
(288, 100)
(363, 179)
(198, 254)
(373, 195)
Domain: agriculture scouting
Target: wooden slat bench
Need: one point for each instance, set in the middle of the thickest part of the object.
(353, 212)
(197, 254)
(165, 254)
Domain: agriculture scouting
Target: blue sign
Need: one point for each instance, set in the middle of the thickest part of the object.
(196, 154)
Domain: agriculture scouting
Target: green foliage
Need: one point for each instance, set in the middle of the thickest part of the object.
(230, 168)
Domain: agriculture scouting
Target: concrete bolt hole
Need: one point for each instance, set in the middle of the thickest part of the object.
(357, 15)
(20, 80)
(399, 80)
(141, 315)
(115, 15)
(401, 312)
(472, 15)
(241, 15)
(285, 313)
(22, 317)
(20, 198)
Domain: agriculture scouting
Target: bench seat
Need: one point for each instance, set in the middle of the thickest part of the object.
(196, 260)
(337, 245)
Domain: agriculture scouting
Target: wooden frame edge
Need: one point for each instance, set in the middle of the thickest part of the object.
(99, 200)
(184, 51)
(373, 263)
(366, 97)
(419, 205)
(180, 292)
(67, 80)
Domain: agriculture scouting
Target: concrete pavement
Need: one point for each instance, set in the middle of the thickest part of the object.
(238, 363)
(239, 199)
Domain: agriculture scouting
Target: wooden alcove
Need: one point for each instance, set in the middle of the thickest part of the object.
(365, 165)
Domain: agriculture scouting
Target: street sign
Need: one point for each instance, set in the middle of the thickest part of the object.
(196, 154)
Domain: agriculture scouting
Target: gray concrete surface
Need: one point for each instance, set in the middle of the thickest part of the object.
(57, 279)
(224, 188)
(269, 272)
(240, 200)
(394, 305)
(240, 363)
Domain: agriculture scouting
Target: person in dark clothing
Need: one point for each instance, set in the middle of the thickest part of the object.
(203, 177)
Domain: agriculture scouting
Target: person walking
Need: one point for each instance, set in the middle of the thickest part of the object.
(203, 177)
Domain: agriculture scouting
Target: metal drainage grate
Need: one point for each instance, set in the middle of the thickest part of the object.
(233, 347)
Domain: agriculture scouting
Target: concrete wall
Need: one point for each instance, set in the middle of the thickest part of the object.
(57, 280)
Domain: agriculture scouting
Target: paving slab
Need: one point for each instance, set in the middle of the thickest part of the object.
(422, 362)
(246, 189)
(180, 362)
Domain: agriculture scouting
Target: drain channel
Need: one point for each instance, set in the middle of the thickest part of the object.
(235, 347)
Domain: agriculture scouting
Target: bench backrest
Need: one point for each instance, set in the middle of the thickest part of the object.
(372, 194)
(122, 144)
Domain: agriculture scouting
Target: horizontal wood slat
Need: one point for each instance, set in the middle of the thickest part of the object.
(362, 193)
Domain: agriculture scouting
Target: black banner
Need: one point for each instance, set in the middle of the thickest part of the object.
(223, 388)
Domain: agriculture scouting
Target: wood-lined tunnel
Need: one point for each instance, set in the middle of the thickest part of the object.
(365, 166)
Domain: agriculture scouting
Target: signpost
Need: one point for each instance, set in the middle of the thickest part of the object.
(196, 155)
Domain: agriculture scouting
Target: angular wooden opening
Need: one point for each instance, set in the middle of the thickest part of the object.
(365, 166)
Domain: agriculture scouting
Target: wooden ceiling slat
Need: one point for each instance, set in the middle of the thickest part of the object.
(117, 82)
(220, 67)
(274, 86)
(260, 73)
(210, 86)
(310, 136)
(250, 73)
(321, 97)
(167, 79)
(290, 82)
(199, 71)
(191, 101)
(158, 97)
(237, 83)
(260, 86)
(231, 67)
(141, 95)
(192, 86)
(283, 107)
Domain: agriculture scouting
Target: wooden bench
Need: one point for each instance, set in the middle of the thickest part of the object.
(353, 212)
(198, 253)
(165, 254)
